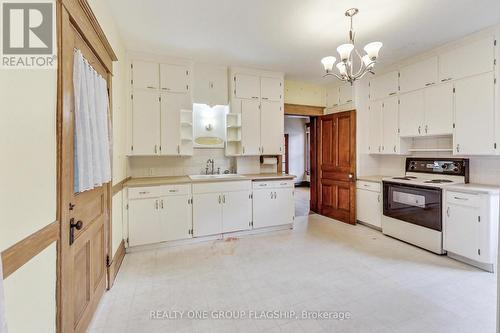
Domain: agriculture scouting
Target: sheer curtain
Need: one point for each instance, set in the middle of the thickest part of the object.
(92, 162)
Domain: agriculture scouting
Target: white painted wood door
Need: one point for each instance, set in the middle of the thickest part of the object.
(419, 75)
(210, 85)
(264, 208)
(145, 123)
(237, 211)
(411, 114)
(332, 97)
(475, 115)
(143, 222)
(171, 105)
(390, 122)
(247, 86)
(474, 58)
(271, 88)
(369, 207)
(384, 86)
(462, 230)
(207, 214)
(250, 126)
(439, 109)
(271, 127)
(174, 78)
(175, 217)
(375, 128)
(284, 206)
(345, 94)
(145, 75)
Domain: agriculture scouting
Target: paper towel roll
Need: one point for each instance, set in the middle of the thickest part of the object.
(270, 160)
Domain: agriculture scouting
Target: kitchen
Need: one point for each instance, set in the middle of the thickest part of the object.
(163, 200)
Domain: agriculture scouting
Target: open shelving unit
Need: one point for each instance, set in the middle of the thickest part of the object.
(233, 134)
(186, 122)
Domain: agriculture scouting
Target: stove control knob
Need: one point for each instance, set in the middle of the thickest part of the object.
(444, 166)
(455, 169)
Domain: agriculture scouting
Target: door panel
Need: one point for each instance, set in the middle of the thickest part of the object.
(144, 222)
(145, 119)
(250, 130)
(174, 78)
(175, 217)
(263, 209)
(247, 86)
(237, 211)
(332, 97)
(375, 129)
(345, 94)
(207, 214)
(145, 75)
(462, 231)
(419, 75)
(272, 127)
(171, 105)
(390, 120)
(337, 166)
(411, 114)
(271, 88)
(439, 109)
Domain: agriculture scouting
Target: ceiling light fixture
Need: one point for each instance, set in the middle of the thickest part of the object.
(345, 65)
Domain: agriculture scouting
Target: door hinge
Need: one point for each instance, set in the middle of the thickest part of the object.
(187, 86)
(126, 207)
(495, 42)
(132, 66)
(234, 92)
(495, 81)
(132, 96)
(454, 90)
(494, 62)
(131, 82)
(479, 219)
(479, 251)
(108, 261)
(159, 99)
(399, 101)
(399, 130)
(399, 74)
(127, 241)
(187, 72)
(453, 125)
(495, 145)
(190, 231)
(234, 78)
(71, 206)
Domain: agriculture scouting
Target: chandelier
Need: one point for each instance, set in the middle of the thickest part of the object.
(345, 66)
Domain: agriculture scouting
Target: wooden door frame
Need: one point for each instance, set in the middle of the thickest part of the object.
(74, 14)
(287, 154)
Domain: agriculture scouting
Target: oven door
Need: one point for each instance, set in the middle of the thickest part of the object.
(414, 204)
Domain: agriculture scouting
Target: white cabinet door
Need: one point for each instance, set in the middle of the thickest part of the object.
(369, 207)
(271, 88)
(284, 206)
(384, 85)
(439, 109)
(345, 94)
(175, 217)
(210, 85)
(390, 122)
(145, 75)
(145, 120)
(250, 127)
(375, 129)
(475, 115)
(247, 86)
(174, 78)
(207, 214)
(236, 211)
(419, 75)
(143, 222)
(271, 127)
(462, 230)
(332, 97)
(171, 105)
(474, 58)
(411, 114)
(264, 210)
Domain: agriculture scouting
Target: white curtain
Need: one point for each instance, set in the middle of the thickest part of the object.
(92, 127)
(3, 322)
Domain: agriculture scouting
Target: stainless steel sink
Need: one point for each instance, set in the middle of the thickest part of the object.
(217, 176)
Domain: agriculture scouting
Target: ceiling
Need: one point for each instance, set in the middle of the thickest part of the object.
(293, 35)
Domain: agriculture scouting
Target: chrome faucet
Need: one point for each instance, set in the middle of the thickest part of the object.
(211, 166)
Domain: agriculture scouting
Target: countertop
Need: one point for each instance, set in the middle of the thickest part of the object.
(153, 181)
(373, 179)
(482, 188)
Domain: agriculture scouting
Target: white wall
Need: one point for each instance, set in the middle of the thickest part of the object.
(295, 128)
(304, 93)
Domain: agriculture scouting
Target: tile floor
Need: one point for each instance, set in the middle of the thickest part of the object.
(302, 201)
(322, 265)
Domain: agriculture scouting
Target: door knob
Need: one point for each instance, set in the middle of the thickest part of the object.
(350, 176)
(78, 225)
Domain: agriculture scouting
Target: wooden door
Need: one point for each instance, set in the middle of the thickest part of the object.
(237, 211)
(337, 166)
(250, 127)
(82, 258)
(313, 168)
(271, 127)
(145, 123)
(174, 78)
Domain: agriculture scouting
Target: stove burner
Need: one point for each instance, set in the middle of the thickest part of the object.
(438, 181)
(405, 178)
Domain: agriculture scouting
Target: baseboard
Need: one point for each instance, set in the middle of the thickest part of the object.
(115, 264)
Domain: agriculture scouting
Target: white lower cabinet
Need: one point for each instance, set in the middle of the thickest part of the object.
(369, 203)
(221, 207)
(273, 203)
(471, 226)
(158, 214)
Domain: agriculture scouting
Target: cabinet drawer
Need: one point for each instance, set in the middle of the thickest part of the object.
(370, 186)
(183, 189)
(144, 192)
(218, 187)
(464, 199)
(272, 184)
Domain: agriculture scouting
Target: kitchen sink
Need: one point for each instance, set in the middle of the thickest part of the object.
(216, 176)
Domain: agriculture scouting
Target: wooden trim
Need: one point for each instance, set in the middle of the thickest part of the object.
(119, 186)
(304, 110)
(115, 264)
(23, 251)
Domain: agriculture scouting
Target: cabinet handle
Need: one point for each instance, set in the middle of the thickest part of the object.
(156, 204)
(349, 101)
(271, 195)
(378, 198)
(275, 195)
(143, 192)
(394, 148)
(458, 198)
(419, 129)
(448, 211)
(178, 149)
(430, 84)
(156, 149)
(426, 128)
(392, 94)
(165, 89)
(219, 199)
(223, 198)
(173, 191)
(448, 79)
(255, 97)
(266, 98)
(243, 149)
(151, 87)
(458, 147)
(161, 204)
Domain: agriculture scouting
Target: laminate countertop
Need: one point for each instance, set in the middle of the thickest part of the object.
(154, 181)
(481, 188)
(373, 179)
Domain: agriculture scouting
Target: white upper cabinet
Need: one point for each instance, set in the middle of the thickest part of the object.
(390, 122)
(250, 131)
(171, 135)
(474, 58)
(174, 78)
(145, 75)
(438, 106)
(210, 85)
(384, 86)
(474, 132)
(345, 94)
(332, 97)
(411, 114)
(145, 123)
(271, 128)
(419, 75)
(271, 88)
(246, 86)
(375, 129)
